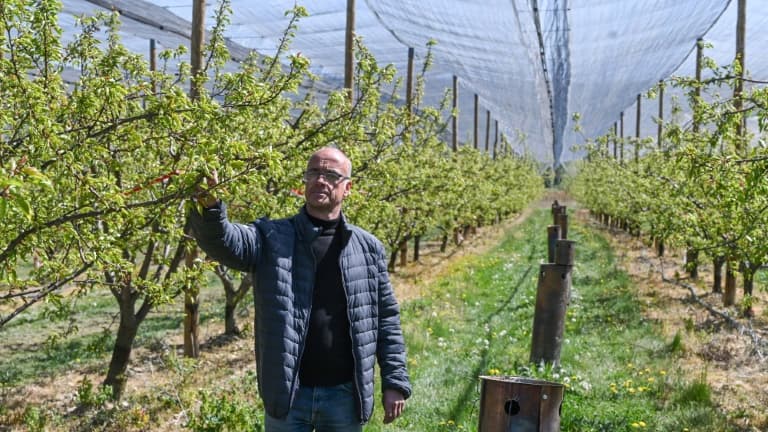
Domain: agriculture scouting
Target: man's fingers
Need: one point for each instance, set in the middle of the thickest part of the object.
(213, 179)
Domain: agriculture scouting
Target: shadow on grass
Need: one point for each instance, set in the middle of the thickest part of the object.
(463, 400)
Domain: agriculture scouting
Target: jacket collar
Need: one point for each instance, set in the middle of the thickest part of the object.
(308, 231)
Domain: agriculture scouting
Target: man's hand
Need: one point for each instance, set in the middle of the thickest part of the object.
(394, 404)
(203, 195)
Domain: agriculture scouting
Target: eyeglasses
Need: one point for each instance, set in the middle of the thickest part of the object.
(329, 176)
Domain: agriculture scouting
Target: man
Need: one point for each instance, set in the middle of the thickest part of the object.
(324, 307)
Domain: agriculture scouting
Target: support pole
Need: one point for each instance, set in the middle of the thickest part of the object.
(692, 255)
(621, 137)
(637, 129)
(552, 298)
(196, 45)
(661, 115)
(477, 107)
(738, 104)
(487, 131)
(553, 235)
(455, 119)
(153, 63)
(496, 139)
(349, 52)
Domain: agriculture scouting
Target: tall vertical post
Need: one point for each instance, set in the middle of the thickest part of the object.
(409, 107)
(455, 119)
(196, 45)
(637, 129)
(699, 59)
(615, 140)
(487, 131)
(496, 139)
(349, 51)
(409, 86)
(691, 254)
(741, 26)
(477, 107)
(192, 293)
(621, 137)
(153, 62)
(661, 114)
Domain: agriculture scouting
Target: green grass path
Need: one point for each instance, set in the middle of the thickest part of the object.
(620, 374)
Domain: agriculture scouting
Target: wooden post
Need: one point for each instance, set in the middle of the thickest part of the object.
(409, 84)
(153, 62)
(196, 45)
(496, 138)
(555, 211)
(553, 235)
(562, 221)
(637, 130)
(487, 131)
(349, 52)
(552, 298)
(738, 104)
(615, 140)
(455, 119)
(509, 403)
(477, 103)
(691, 255)
(621, 136)
(191, 294)
(661, 115)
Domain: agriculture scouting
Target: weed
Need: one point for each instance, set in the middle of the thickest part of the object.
(676, 346)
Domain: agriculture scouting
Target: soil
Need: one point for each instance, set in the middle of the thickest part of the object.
(712, 349)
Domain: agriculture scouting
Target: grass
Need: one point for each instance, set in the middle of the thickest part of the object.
(620, 374)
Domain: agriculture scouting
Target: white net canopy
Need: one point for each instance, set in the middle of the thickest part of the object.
(533, 64)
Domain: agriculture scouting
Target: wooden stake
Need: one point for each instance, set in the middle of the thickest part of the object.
(196, 48)
(637, 129)
(349, 51)
(455, 119)
(487, 131)
(661, 114)
(477, 103)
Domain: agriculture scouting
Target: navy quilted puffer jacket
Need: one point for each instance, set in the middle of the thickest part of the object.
(278, 253)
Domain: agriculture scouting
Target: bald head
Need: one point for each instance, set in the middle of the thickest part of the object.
(332, 154)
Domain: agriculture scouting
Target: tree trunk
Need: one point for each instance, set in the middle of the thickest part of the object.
(416, 244)
(192, 312)
(729, 295)
(392, 260)
(192, 323)
(717, 285)
(404, 252)
(121, 353)
(749, 284)
(444, 244)
(692, 263)
(233, 299)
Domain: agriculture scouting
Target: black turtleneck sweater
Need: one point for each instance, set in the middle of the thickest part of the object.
(327, 358)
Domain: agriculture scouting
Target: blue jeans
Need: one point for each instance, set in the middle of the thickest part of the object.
(320, 409)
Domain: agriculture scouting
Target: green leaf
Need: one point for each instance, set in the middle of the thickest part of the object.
(23, 205)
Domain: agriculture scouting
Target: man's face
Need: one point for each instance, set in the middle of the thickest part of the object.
(327, 182)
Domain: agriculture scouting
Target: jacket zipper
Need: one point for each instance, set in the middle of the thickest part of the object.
(304, 335)
(354, 357)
